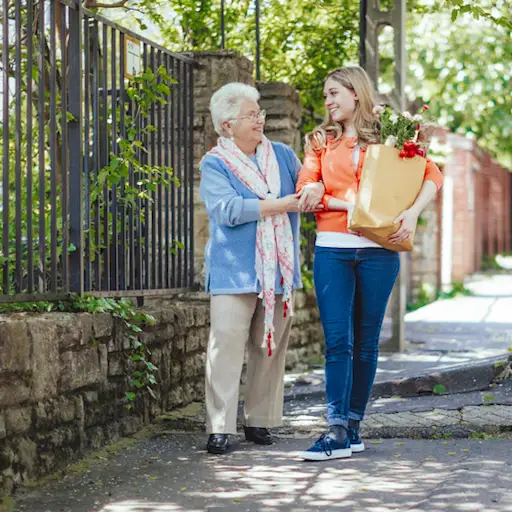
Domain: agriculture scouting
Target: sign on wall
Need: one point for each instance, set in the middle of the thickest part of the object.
(132, 56)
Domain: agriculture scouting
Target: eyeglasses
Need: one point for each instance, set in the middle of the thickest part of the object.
(255, 116)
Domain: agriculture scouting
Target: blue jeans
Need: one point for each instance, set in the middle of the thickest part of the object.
(352, 288)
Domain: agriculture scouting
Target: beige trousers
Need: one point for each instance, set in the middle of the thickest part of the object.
(236, 320)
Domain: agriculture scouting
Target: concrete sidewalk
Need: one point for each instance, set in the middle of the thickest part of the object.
(171, 472)
(458, 343)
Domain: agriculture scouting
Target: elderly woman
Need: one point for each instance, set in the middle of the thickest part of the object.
(252, 266)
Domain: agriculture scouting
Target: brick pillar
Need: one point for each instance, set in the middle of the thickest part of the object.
(283, 113)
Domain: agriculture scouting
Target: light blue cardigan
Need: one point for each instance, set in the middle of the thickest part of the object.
(233, 211)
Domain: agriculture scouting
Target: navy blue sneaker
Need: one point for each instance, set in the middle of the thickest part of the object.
(327, 447)
(356, 443)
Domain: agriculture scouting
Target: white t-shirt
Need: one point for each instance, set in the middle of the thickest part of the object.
(338, 240)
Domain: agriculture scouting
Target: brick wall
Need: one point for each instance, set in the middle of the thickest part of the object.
(481, 215)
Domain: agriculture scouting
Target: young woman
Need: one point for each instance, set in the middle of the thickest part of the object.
(353, 275)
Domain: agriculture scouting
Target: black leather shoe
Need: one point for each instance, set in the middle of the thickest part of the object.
(258, 435)
(218, 444)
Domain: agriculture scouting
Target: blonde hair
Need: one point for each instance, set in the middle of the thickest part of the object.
(365, 122)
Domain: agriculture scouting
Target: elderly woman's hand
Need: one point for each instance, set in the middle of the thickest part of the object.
(310, 197)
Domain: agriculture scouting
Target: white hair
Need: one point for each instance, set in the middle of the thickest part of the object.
(226, 102)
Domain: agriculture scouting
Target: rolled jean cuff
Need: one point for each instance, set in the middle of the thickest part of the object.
(355, 416)
(338, 420)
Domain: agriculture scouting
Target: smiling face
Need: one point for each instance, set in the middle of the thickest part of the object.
(247, 127)
(339, 101)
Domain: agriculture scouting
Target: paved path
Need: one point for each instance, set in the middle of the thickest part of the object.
(171, 472)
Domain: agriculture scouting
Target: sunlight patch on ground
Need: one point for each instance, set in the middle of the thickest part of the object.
(144, 506)
(462, 310)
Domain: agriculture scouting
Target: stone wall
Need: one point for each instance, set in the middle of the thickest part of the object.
(63, 378)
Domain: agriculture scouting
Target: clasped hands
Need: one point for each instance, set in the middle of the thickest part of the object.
(310, 197)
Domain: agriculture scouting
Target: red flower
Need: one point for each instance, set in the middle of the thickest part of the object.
(425, 107)
(402, 154)
(420, 152)
(409, 146)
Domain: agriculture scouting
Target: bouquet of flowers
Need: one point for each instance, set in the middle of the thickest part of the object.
(392, 176)
(403, 130)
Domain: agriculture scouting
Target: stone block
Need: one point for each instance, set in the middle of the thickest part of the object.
(80, 369)
(202, 314)
(117, 364)
(62, 436)
(193, 366)
(193, 340)
(95, 438)
(3, 432)
(69, 328)
(178, 345)
(26, 450)
(189, 316)
(43, 329)
(54, 412)
(102, 325)
(112, 432)
(13, 391)
(175, 397)
(130, 425)
(103, 355)
(14, 344)
(189, 393)
(277, 108)
(18, 421)
(165, 334)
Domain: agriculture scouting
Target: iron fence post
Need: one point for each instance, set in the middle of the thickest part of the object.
(76, 236)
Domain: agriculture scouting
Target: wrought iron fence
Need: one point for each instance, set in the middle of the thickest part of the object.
(86, 201)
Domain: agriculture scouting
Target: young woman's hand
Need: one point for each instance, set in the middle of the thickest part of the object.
(310, 197)
(408, 219)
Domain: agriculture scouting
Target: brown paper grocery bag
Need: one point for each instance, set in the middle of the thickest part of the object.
(389, 185)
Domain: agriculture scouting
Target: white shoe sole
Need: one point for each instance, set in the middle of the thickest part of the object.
(335, 454)
(357, 448)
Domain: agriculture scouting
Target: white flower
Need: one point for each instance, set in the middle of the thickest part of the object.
(418, 117)
(393, 118)
(407, 115)
(378, 109)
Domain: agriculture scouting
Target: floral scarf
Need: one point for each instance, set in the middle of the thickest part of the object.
(274, 239)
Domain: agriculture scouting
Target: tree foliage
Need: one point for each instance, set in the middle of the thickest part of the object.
(459, 52)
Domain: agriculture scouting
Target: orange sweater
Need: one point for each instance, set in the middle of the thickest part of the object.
(334, 166)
